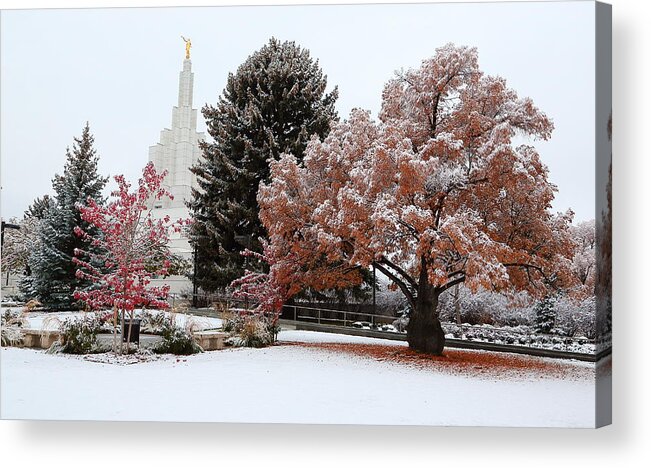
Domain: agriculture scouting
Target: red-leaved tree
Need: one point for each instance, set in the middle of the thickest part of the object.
(434, 195)
(267, 292)
(264, 290)
(133, 246)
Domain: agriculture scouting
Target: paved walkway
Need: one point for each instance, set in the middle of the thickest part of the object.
(146, 340)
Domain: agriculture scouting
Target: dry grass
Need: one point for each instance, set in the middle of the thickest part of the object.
(51, 323)
(32, 305)
(12, 326)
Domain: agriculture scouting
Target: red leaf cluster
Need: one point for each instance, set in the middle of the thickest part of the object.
(267, 291)
(133, 246)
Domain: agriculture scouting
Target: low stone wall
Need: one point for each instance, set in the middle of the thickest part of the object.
(210, 340)
(39, 338)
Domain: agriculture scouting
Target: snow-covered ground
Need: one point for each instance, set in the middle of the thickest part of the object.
(51, 321)
(286, 384)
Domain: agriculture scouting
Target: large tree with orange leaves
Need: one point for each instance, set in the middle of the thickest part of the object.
(433, 195)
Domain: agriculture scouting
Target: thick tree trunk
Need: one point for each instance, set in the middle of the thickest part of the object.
(424, 331)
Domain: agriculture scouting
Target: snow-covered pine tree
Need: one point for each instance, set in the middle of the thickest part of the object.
(54, 279)
(39, 207)
(545, 315)
(273, 104)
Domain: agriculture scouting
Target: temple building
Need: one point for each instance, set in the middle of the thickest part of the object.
(178, 150)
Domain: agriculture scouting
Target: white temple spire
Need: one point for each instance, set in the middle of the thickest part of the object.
(178, 148)
(177, 151)
(186, 82)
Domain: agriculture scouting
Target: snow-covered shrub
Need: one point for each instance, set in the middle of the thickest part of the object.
(363, 325)
(514, 316)
(519, 336)
(12, 300)
(477, 308)
(11, 328)
(255, 333)
(231, 322)
(13, 318)
(560, 314)
(176, 340)
(11, 336)
(400, 324)
(252, 331)
(576, 318)
(79, 335)
(153, 322)
(389, 302)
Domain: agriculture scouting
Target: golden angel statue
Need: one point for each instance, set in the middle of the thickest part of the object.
(188, 44)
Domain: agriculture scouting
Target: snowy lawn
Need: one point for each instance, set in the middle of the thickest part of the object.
(309, 377)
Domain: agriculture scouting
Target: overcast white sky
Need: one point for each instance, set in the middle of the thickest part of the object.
(118, 69)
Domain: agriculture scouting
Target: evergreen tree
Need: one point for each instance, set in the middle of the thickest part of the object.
(545, 315)
(39, 207)
(54, 279)
(273, 104)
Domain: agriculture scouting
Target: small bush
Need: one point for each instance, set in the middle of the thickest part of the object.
(400, 324)
(515, 316)
(232, 323)
(258, 332)
(13, 318)
(176, 340)
(251, 331)
(79, 336)
(12, 333)
(153, 323)
(576, 317)
(254, 333)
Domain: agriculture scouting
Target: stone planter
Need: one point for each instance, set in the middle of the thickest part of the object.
(210, 340)
(49, 338)
(39, 338)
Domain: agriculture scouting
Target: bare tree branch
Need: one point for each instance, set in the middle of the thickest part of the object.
(403, 287)
(400, 271)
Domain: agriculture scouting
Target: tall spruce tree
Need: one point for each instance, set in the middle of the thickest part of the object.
(54, 277)
(273, 104)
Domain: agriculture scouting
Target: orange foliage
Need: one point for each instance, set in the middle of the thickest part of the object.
(435, 191)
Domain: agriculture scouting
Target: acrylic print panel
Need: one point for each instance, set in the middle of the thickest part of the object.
(349, 217)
